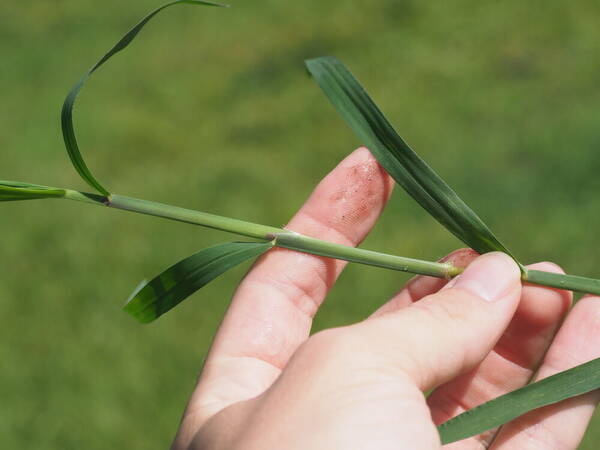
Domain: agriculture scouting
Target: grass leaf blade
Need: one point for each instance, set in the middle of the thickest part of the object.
(569, 383)
(16, 190)
(67, 108)
(399, 160)
(151, 300)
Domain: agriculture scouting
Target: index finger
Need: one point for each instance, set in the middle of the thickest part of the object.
(272, 310)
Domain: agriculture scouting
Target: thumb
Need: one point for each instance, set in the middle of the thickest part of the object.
(451, 331)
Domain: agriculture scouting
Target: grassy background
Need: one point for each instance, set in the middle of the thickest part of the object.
(213, 110)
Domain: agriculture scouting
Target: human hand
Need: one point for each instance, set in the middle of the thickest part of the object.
(267, 385)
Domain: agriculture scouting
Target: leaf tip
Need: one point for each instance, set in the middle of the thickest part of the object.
(135, 306)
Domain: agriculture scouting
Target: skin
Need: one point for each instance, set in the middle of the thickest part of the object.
(267, 384)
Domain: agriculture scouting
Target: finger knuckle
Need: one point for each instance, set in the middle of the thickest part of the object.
(336, 346)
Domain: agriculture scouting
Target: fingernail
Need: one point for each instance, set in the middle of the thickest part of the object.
(490, 276)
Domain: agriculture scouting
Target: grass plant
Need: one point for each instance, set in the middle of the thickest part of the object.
(154, 298)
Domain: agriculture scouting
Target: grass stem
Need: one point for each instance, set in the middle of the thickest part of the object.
(295, 241)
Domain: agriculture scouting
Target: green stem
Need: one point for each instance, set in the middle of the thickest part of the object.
(563, 281)
(281, 237)
(294, 241)
(236, 226)
(178, 214)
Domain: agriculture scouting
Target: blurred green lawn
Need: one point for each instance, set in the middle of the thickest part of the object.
(212, 110)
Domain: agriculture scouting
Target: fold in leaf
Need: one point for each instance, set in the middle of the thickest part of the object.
(181, 280)
(576, 381)
(15, 190)
(67, 109)
(397, 158)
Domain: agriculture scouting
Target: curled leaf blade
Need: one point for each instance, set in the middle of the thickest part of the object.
(67, 109)
(154, 298)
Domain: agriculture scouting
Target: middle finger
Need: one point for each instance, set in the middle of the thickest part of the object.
(513, 360)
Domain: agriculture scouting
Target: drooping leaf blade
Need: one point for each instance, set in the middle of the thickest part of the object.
(16, 190)
(67, 108)
(397, 158)
(569, 383)
(171, 287)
